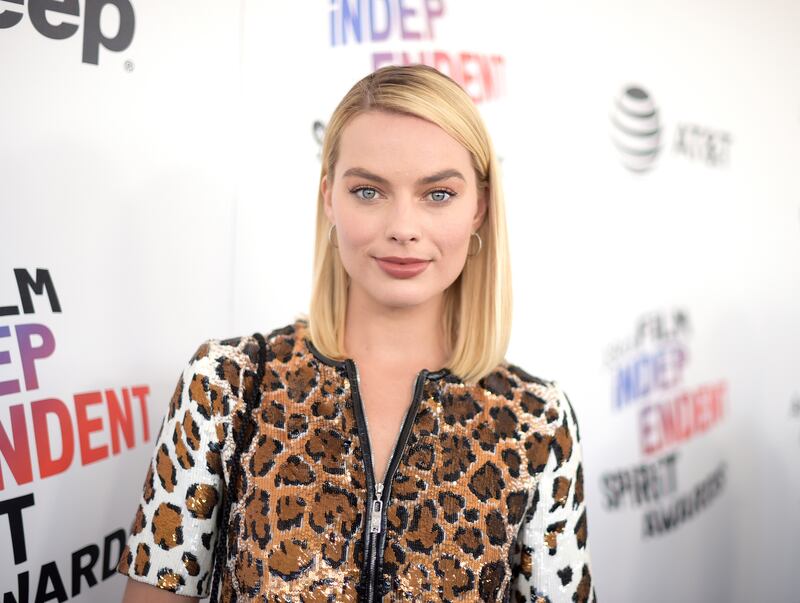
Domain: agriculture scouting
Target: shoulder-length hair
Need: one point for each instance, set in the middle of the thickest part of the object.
(477, 305)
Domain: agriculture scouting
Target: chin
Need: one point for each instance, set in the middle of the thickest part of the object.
(392, 297)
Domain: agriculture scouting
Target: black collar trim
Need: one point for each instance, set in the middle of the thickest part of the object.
(321, 357)
(342, 363)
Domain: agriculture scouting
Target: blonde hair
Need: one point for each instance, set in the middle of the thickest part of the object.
(477, 305)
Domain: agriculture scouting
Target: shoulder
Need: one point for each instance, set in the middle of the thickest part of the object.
(546, 417)
(232, 359)
(222, 354)
(222, 373)
(541, 398)
(510, 381)
(507, 378)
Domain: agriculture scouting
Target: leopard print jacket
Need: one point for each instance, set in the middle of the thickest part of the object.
(483, 499)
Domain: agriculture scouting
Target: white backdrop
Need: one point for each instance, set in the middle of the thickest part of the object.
(169, 192)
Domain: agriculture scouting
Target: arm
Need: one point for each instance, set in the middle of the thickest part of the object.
(170, 548)
(551, 557)
(141, 592)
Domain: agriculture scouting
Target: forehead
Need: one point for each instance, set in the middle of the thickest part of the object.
(391, 142)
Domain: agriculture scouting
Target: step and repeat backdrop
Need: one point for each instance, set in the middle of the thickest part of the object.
(158, 175)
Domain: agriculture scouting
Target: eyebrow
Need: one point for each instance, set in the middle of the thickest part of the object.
(436, 177)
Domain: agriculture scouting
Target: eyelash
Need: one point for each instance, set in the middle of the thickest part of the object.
(436, 190)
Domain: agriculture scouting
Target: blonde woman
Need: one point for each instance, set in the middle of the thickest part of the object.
(381, 447)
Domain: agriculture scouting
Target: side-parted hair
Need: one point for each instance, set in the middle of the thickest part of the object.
(477, 305)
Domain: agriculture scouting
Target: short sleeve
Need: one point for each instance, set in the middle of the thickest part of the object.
(172, 537)
(551, 561)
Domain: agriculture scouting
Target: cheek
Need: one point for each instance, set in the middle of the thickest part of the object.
(355, 230)
(356, 237)
(453, 237)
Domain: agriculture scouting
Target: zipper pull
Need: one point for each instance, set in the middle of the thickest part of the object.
(377, 510)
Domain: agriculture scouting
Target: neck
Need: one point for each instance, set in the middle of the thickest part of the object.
(410, 337)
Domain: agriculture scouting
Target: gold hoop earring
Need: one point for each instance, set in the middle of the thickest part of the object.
(480, 244)
(330, 230)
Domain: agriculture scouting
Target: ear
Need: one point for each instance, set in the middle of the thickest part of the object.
(483, 205)
(327, 194)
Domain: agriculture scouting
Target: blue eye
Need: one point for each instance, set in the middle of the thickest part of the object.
(368, 193)
(440, 195)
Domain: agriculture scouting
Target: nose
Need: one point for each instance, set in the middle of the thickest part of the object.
(402, 219)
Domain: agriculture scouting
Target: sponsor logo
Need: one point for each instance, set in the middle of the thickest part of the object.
(403, 23)
(648, 374)
(76, 428)
(636, 128)
(648, 377)
(667, 517)
(55, 20)
(318, 132)
(57, 435)
(654, 486)
(74, 565)
(640, 484)
(639, 135)
(712, 147)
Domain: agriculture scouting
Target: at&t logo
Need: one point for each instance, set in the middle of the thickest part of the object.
(636, 128)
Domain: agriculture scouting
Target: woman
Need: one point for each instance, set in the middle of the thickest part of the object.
(380, 449)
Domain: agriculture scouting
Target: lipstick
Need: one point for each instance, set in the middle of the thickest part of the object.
(402, 267)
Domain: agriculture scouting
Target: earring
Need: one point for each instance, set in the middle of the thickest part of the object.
(330, 230)
(480, 244)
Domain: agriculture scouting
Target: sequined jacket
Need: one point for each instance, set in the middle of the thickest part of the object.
(482, 498)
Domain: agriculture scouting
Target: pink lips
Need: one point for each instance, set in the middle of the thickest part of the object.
(402, 267)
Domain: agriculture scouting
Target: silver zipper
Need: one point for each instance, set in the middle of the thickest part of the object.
(377, 504)
(374, 513)
(377, 510)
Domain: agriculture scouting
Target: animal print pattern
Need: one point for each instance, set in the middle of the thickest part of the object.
(487, 502)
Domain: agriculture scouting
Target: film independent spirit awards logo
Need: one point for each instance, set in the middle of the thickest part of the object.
(636, 128)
